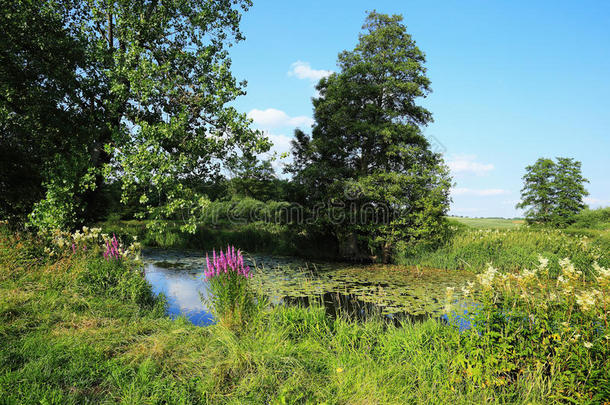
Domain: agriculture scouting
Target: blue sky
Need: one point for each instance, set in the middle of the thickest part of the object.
(512, 81)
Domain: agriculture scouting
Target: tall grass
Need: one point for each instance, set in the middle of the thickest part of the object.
(259, 236)
(510, 250)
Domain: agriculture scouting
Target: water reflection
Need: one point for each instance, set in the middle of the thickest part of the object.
(183, 290)
(357, 292)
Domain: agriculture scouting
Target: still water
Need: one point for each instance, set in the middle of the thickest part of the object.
(394, 292)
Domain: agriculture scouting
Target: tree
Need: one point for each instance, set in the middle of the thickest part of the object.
(553, 192)
(40, 118)
(252, 178)
(538, 191)
(367, 159)
(569, 191)
(152, 91)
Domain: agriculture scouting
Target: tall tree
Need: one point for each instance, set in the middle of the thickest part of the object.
(154, 86)
(538, 191)
(252, 178)
(569, 190)
(553, 192)
(40, 118)
(367, 158)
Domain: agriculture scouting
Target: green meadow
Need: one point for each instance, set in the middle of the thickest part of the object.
(78, 329)
(489, 223)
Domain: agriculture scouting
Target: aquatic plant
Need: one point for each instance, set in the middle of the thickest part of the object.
(231, 298)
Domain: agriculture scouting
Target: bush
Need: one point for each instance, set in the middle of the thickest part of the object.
(593, 219)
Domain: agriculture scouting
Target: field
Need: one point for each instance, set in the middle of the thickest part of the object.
(489, 223)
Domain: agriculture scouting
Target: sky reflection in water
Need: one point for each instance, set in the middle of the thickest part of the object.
(390, 291)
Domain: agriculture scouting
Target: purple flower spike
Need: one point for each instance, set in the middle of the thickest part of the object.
(226, 262)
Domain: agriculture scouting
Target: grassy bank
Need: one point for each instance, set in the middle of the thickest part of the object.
(509, 250)
(78, 329)
(488, 223)
(509, 246)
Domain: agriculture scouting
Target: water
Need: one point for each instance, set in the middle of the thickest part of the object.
(356, 291)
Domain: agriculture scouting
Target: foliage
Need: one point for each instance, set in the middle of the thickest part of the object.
(367, 162)
(535, 320)
(256, 236)
(142, 92)
(553, 192)
(252, 178)
(232, 299)
(43, 126)
(246, 210)
(592, 219)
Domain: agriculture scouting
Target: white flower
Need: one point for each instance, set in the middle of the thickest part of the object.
(529, 274)
(543, 262)
(467, 289)
(586, 300)
(588, 345)
(486, 279)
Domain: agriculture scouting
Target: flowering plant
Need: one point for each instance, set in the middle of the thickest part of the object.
(231, 298)
(535, 320)
(113, 250)
(90, 241)
(232, 261)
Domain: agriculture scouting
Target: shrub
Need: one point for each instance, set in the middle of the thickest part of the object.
(595, 219)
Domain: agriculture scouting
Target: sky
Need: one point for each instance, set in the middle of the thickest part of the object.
(512, 81)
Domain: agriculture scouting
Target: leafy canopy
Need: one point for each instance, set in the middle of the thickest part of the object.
(553, 192)
(150, 90)
(367, 160)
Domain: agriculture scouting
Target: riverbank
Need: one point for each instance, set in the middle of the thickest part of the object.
(508, 247)
(77, 329)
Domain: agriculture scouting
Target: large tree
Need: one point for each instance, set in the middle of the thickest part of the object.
(40, 118)
(367, 160)
(153, 86)
(553, 192)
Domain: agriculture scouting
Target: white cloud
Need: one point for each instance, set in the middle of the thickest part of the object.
(303, 70)
(479, 192)
(596, 202)
(281, 144)
(273, 118)
(468, 164)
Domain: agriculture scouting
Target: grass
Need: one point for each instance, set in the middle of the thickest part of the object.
(510, 250)
(75, 330)
(489, 223)
(477, 242)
